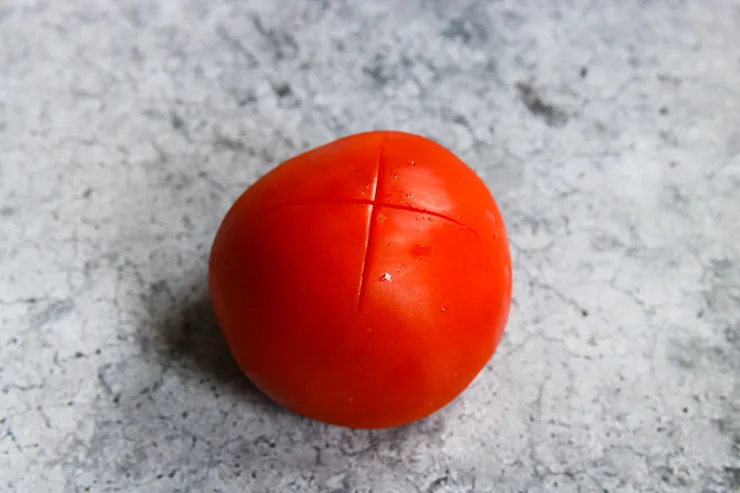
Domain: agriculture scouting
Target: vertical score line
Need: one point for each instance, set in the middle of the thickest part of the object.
(370, 229)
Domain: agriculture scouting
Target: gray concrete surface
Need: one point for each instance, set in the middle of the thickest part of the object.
(609, 133)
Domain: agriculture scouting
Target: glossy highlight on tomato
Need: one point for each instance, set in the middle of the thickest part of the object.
(364, 283)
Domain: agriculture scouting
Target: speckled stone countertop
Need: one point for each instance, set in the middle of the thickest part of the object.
(609, 133)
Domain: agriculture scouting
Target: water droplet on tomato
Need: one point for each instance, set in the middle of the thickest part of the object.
(444, 309)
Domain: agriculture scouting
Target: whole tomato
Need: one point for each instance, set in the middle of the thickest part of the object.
(364, 283)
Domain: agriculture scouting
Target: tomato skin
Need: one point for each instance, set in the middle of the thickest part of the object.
(364, 283)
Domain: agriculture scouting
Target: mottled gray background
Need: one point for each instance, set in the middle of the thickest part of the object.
(608, 131)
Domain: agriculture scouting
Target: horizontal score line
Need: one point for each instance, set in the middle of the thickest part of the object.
(369, 202)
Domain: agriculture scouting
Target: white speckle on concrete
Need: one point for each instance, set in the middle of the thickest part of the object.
(609, 133)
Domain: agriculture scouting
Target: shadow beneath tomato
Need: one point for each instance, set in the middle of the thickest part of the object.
(190, 339)
(203, 393)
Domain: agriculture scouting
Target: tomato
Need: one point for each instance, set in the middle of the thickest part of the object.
(364, 283)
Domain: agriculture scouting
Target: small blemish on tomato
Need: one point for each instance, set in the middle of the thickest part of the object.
(421, 251)
(385, 276)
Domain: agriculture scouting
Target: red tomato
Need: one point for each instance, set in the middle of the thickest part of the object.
(364, 283)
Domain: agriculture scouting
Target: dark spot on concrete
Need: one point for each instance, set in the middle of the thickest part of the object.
(438, 484)
(79, 354)
(261, 446)
(676, 199)
(669, 79)
(584, 312)
(663, 110)
(7, 211)
(552, 115)
(238, 48)
(54, 311)
(584, 72)
(677, 196)
(682, 355)
(732, 475)
(460, 120)
(159, 287)
(669, 138)
(467, 31)
(732, 335)
(228, 144)
(379, 70)
(177, 122)
(685, 410)
(282, 44)
(282, 90)
(672, 477)
(693, 352)
(673, 164)
(720, 266)
(244, 99)
(187, 222)
(356, 442)
(87, 193)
